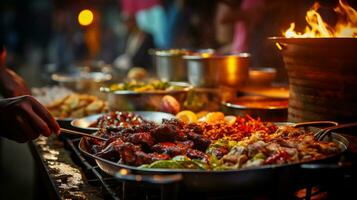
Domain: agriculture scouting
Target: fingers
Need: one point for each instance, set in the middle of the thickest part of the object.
(46, 117)
(28, 132)
(35, 121)
(25, 119)
(20, 131)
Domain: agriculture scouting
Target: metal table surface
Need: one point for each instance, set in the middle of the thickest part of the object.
(57, 175)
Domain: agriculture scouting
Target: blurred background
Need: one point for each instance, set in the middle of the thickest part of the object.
(43, 37)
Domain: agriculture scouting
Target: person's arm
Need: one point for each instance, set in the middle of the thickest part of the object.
(11, 84)
(23, 118)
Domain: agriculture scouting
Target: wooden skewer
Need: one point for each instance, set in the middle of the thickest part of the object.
(82, 134)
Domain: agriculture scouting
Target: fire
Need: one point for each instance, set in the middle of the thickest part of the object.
(346, 26)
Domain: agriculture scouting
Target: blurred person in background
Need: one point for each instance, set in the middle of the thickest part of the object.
(135, 52)
(245, 25)
(244, 16)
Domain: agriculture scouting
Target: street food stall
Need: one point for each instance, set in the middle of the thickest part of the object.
(208, 125)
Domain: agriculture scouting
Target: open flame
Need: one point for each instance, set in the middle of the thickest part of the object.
(346, 26)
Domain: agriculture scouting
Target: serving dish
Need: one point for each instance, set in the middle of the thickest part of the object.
(200, 180)
(86, 122)
(266, 108)
(128, 100)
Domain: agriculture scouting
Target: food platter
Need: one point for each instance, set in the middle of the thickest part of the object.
(85, 123)
(214, 142)
(203, 180)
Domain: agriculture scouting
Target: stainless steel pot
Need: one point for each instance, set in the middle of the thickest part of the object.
(169, 64)
(212, 70)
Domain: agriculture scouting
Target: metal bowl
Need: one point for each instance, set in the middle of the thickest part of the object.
(83, 82)
(265, 108)
(262, 76)
(126, 100)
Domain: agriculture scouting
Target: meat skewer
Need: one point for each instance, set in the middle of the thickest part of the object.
(63, 130)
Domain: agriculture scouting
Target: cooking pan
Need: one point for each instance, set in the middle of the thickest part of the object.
(263, 177)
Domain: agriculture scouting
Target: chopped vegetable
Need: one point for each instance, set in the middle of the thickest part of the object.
(176, 164)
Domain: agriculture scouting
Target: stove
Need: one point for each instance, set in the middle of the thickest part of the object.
(317, 183)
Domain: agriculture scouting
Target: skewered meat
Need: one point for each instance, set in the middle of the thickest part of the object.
(127, 153)
(196, 154)
(111, 151)
(133, 155)
(147, 158)
(170, 148)
(186, 144)
(194, 128)
(165, 132)
(201, 143)
(142, 138)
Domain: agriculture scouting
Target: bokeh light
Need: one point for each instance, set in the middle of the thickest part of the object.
(85, 17)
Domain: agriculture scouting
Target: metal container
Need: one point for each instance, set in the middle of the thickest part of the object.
(322, 78)
(126, 100)
(83, 82)
(265, 108)
(202, 70)
(169, 64)
(212, 70)
(261, 76)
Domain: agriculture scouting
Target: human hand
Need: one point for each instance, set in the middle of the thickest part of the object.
(23, 118)
(11, 84)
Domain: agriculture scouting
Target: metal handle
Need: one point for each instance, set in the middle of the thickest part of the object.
(342, 126)
(126, 175)
(315, 123)
(323, 132)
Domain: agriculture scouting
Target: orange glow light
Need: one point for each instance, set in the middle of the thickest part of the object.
(85, 17)
(346, 25)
